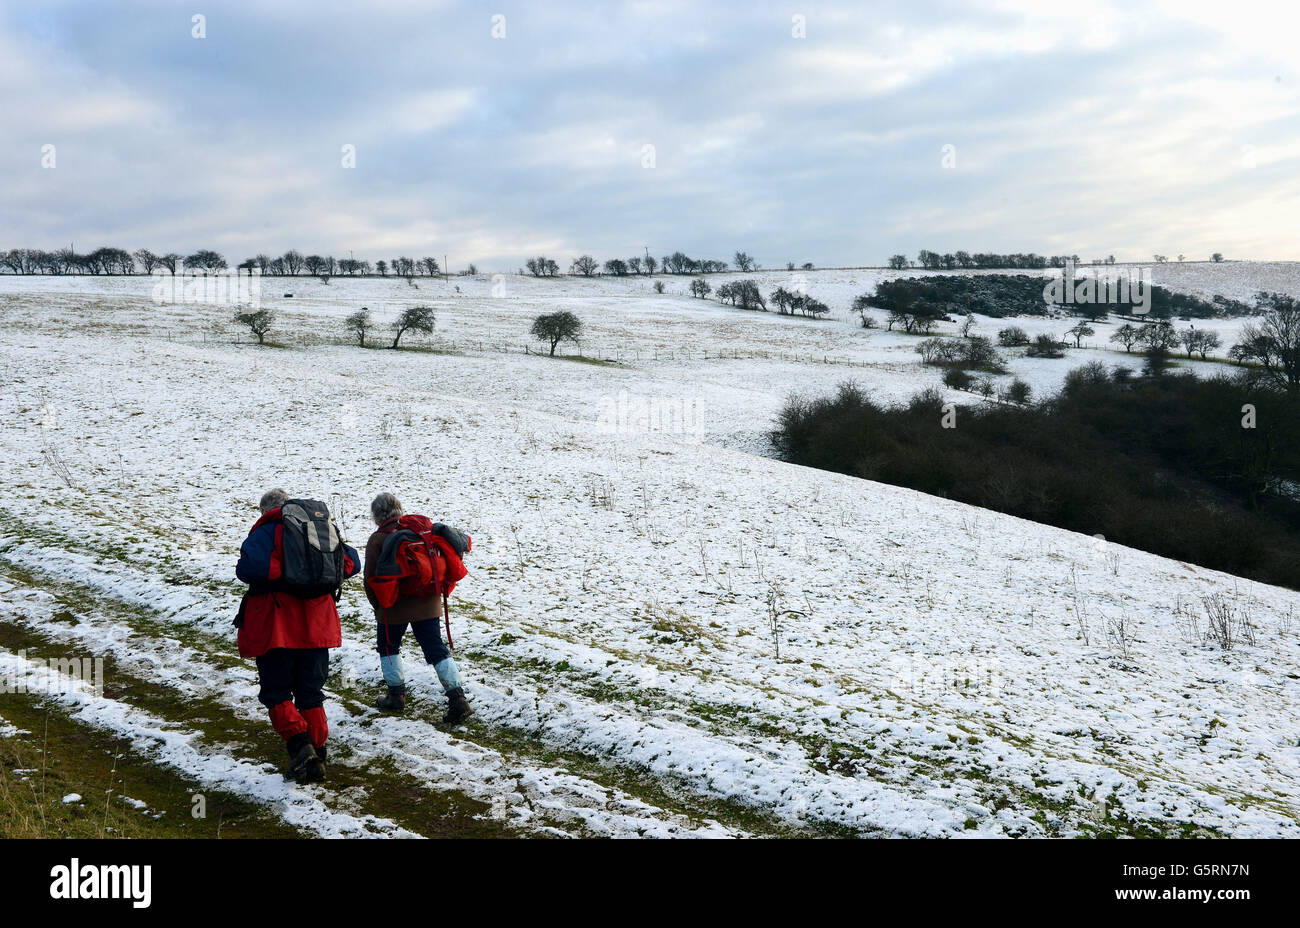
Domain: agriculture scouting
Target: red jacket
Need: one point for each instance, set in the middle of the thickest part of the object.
(278, 619)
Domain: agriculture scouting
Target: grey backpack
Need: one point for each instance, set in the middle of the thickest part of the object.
(313, 551)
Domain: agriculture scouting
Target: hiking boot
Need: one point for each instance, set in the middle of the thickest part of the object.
(392, 701)
(458, 707)
(302, 758)
(316, 769)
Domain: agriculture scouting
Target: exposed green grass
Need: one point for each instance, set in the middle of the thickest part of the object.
(64, 756)
(578, 359)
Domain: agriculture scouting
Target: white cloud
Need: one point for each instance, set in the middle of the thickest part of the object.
(431, 110)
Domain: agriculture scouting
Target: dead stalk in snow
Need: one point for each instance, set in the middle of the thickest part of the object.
(1187, 620)
(519, 548)
(1080, 608)
(775, 613)
(1228, 623)
(1120, 632)
(58, 464)
(1286, 621)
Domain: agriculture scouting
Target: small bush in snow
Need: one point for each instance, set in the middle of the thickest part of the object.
(1013, 337)
(359, 325)
(1017, 392)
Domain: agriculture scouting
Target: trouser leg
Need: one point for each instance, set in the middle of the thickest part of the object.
(275, 675)
(388, 641)
(311, 670)
(429, 634)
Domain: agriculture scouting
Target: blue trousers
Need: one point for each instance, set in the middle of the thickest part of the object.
(388, 639)
(427, 634)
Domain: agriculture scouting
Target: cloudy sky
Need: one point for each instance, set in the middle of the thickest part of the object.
(1097, 128)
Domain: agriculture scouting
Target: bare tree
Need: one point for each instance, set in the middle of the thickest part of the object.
(1273, 342)
(292, 262)
(585, 265)
(359, 324)
(147, 260)
(1127, 335)
(1158, 336)
(743, 261)
(1080, 331)
(205, 261)
(1199, 341)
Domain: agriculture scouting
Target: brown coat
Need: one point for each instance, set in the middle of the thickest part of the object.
(404, 610)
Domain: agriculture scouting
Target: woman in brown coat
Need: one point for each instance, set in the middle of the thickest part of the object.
(420, 613)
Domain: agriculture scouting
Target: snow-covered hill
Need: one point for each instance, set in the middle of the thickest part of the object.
(942, 670)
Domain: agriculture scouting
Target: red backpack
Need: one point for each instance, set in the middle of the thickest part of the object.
(415, 562)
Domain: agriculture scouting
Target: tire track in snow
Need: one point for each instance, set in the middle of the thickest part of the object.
(519, 794)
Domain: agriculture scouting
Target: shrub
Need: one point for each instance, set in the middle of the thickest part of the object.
(1157, 463)
(1013, 337)
(259, 322)
(742, 293)
(1017, 392)
(1044, 346)
(957, 378)
(978, 352)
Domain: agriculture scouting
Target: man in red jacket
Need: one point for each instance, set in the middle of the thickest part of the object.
(290, 636)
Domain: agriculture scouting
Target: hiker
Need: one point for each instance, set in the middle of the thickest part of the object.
(294, 564)
(412, 564)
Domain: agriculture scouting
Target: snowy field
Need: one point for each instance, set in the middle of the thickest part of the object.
(942, 670)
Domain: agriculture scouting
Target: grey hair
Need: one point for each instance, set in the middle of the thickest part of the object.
(385, 506)
(272, 499)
